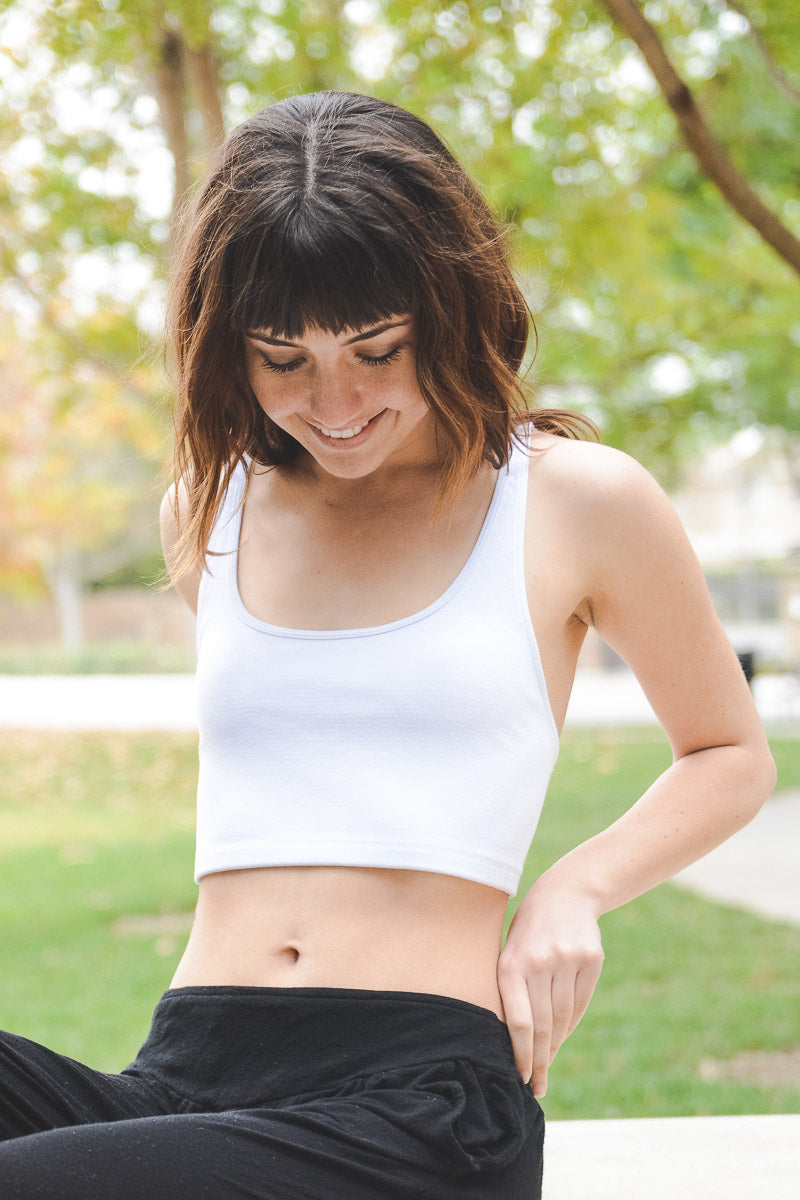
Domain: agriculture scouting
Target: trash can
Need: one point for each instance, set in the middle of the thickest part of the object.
(747, 661)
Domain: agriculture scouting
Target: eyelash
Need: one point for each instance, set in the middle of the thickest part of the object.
(285, 368)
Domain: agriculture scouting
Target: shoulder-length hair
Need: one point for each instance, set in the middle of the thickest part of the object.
(336, 210)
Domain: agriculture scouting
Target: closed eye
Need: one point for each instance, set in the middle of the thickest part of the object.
(369, 360)
(280, 368)
(372, 361)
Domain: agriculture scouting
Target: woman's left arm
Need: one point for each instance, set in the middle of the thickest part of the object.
(648, 600)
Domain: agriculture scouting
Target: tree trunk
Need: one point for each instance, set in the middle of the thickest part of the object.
(170, 92)
(65, 585)
(205, 77)
(710, 155)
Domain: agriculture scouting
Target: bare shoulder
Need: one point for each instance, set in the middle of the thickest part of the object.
(174, 502)
(594, 490)
(599, 471)
(609, 523)
(174, 507)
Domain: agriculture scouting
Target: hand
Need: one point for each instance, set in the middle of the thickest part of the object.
(547, 972)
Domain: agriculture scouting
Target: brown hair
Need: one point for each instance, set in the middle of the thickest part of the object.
(336, 210)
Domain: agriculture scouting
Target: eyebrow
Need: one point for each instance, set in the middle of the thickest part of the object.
(360, 337)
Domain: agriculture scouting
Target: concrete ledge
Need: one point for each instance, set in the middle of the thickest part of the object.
(673, 1158)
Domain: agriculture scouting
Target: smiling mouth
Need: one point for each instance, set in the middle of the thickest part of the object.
(346, 434)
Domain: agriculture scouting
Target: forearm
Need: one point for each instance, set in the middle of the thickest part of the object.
(697, 803)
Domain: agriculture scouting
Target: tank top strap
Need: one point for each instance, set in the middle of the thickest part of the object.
(500, 570)
(225, 534)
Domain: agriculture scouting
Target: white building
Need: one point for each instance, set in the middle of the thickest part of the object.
(740, 504)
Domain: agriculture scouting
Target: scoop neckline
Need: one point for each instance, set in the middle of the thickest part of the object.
(288, 631)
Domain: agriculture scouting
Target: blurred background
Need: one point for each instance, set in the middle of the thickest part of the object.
(662, 313)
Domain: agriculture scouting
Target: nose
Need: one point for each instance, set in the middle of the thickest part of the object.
(336, 401)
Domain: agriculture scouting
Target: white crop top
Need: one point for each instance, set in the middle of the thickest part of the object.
(425, 744)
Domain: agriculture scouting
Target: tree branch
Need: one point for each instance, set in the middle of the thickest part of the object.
(81, 349)
(710, 155)
(779, 77)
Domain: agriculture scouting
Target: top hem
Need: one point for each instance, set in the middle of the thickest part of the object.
(505, 879)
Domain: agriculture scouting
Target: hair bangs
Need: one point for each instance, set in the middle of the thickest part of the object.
(314, 272)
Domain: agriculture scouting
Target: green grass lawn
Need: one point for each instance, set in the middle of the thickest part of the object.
(99, 827)
(123, 657)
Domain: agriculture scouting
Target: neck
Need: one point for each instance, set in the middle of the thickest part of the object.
(387, 488)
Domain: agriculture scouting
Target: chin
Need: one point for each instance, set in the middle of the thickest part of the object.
(341, 470)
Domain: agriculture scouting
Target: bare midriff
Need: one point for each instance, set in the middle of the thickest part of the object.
(347, 927)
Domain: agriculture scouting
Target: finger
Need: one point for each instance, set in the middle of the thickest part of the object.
(585, 984)
(541, 1003)
(563, 1007)
(517, 1009)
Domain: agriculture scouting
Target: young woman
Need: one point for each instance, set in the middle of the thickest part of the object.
(394, 563)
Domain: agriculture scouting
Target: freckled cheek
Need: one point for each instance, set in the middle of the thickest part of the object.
(277, 400)
(415, 401)
(283, 399)
(403, 392)
(412, 390)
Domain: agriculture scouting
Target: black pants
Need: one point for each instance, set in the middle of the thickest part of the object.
(278, 1093)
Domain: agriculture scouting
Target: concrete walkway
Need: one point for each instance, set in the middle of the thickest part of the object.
(168, 701)
(99, 702)
(758, 869)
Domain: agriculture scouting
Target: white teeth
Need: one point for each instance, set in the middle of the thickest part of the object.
(343, 433)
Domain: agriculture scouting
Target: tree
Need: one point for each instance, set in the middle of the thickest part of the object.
(711, 156)
(78, 469)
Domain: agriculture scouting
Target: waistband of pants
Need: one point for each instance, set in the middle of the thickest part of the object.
(282, 1042)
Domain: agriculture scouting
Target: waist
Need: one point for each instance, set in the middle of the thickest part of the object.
(347, 927)
(243, 1046)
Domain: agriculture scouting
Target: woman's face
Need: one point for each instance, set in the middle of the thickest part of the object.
(351, 400)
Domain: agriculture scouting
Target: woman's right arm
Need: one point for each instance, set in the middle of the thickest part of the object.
(188, 585)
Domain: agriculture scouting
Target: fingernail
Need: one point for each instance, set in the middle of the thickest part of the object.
(540, 1089)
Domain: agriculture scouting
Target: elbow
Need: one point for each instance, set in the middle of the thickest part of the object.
(770, 772)
(760, 776)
